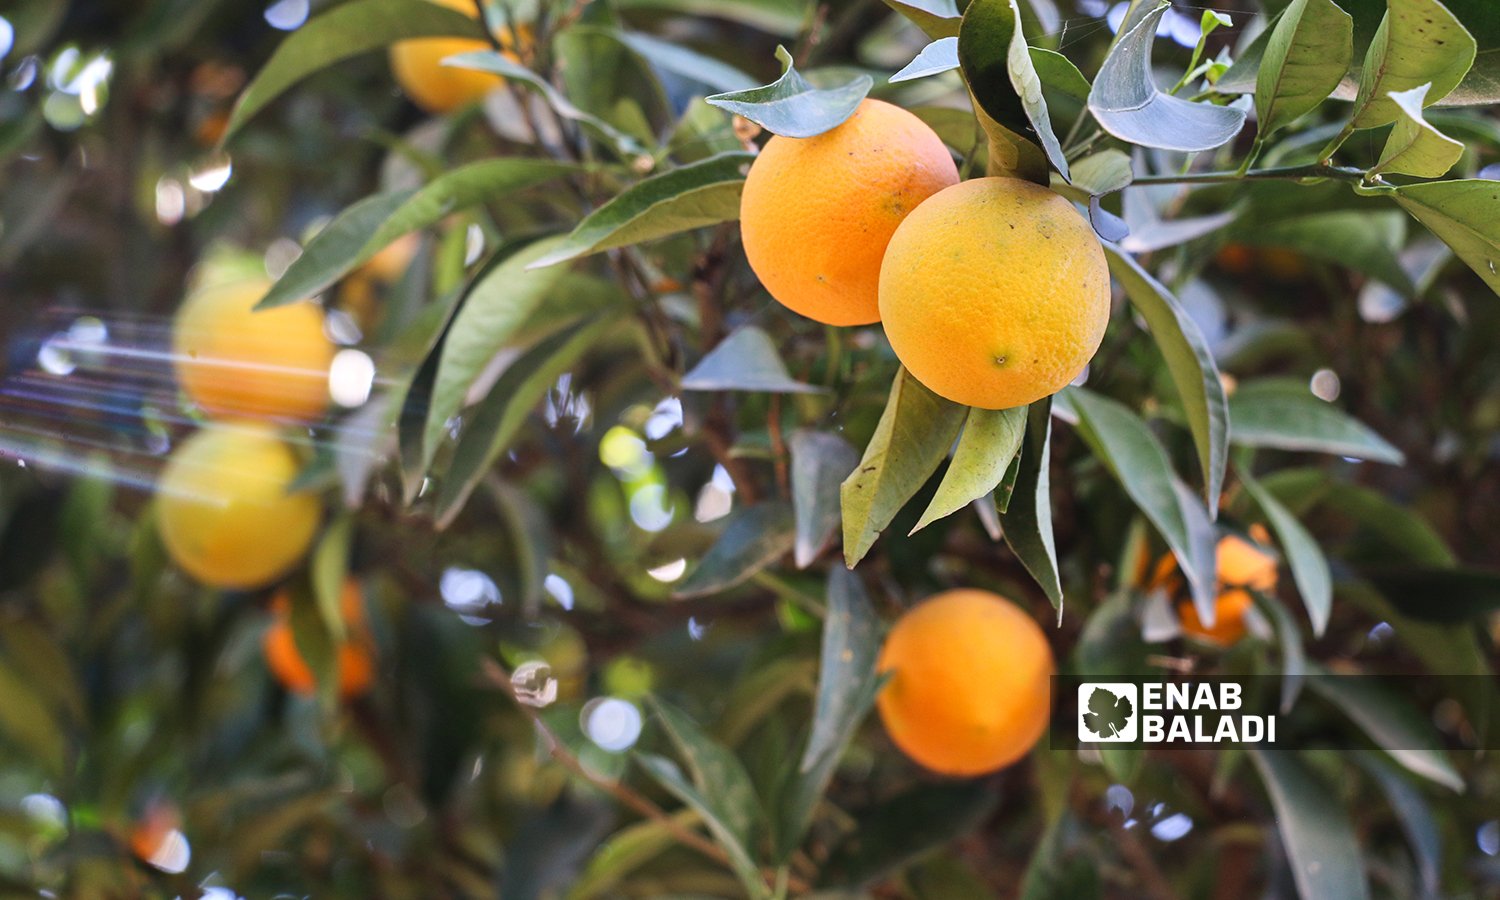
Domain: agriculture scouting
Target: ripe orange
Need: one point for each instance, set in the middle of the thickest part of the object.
(223, 509)
(971, 689)
(994, 293)
(418, 67)
(234, 362)
(1243, 567)
(355, 661)
(816, 213)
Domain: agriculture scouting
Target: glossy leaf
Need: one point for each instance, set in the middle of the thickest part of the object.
(936, 58)
(1283, 413)
(691, 196)
(1102, 173)
(1026, 521)
(689, 64)
(1315, 829)
(345, 31)
(820, 463)
(754, 538)
(1462, 213)
(1191, 365)
(790, 106)
(939, 18)
(1391, 722)
(891, 835)
(1303, 555)
(1127, 103)
(912, 439)
(990, 440)
(1419, 42)
(1306, 57)
(1058, 72)
(746, 360)
(670, 777)
(1415, 147)
(1004, 82)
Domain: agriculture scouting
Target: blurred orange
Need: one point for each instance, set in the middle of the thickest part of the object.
(355, 661)
(1242, 567)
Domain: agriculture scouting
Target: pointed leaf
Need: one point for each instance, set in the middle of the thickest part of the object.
(1363, 242)
(820, 463)
(990, 440)
(939, 18)
(1391, 721)
(1419, 42)
(1284, 413)
(688, 197)
(716, 771)
(905, 828)
(1306, 57)
(792, 107)
(1315, 828)
(1415, 147)
(754, 538)
(913, 437)
(1293, 653)
(1026, 520)
(1103, 173)
(670, 777)
(1058, 72)
(1309, 566)
(1191, 364)
(1462, 213)
(689, 64)
(1128, 104)
(936, 58)
(746, 360)
(1415, 815)
(997, 65)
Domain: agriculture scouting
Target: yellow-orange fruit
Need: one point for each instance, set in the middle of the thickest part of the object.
(355, 661)
(994, 293)
(418, 67)
(235, 362)
(816, 213)
(223, 509)
(971, 683)
(1242, 567)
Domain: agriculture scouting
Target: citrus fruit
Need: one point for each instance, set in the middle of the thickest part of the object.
(1243, 567)
(970, 686)
(816, 213)
(994, 293)
(417, 65)
(233, 361)
(287, 665)
(223, 509)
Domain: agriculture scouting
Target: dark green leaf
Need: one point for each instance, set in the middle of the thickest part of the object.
(1243, 75)
(914, 435)
(1027, 519)
(1391, 721)
(1309, 566)
(939, 18)
(670, 777)
(1364, 242)
(692, 196)
(27, 722)
(1315, 829)
(1437, 594)
(820, 463)
(1293, 653)
(754, 538)
(528, 530)
(890, 836)
(1306, 57)
(1419, 42)
(990, 440)
(1058, 72)
(944, 877)
(1415, 147)
(1110, 649)
(1284, 413)
(746, 360)
(679, 60)
(717, 772)
(1416, 818)
(1462, 213)
(330, 566)
(1058, 871)
(997, 65)
(936, 58)
(780, 17)
(791, 107)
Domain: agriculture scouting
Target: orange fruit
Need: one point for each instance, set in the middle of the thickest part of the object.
(1229, 618)
(290, 669)
(1243, 567)
(418, 67)
(970, 689)
(234, 362)
(1236, 258)
(223, 510)
(994, 293)
(816, 213)
(150, 834)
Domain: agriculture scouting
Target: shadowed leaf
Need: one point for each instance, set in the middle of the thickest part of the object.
(989, 442)
(820, 463)
(753, 539)
(790, 106)
(1315, 828)
(746, 360)
(1419, 42)
(1306, 56)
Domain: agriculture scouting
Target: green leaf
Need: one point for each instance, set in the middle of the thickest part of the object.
(670, 777)
(1128, 448)
(846, 690)
(1462, 213)
(820, 463)
(792, 107)
(1102, 173)
(692, 196)
(1110, 649)
(1481, 87)
(944, 877)
(746, 360)
(27, 722)
(939, 18)
(1058, 72)
(754, 538)
(1419, 42)
(1415, 816)
(1284, 413)
(1058, 871)
(345, 31)
(1026, 520)
(997, 66)
(528, 531)
(627, 850)
(1448, 595)
(1293, 653)
(936, 58)
(1191, 365)
(1243, 75)
(679, 60)
(1415, 147)
(364, 229)
(1315, 829)
(1306, 57)
(716, 771)
(913, 437)
(1364, 242)
(330, 566)
(1401, 529)
(495, 420)
(890, 836)
(990, 440)
(1309, 566)
(1127, 103)
(1391, 721)
(779, 17)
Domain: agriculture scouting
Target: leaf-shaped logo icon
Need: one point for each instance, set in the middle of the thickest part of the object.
(1108, 714)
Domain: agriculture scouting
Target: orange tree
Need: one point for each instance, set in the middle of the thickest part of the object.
(625, 534)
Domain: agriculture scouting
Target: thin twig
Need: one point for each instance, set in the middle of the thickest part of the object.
(1283, 173)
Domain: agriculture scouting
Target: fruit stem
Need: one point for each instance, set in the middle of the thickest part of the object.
(1282, 173)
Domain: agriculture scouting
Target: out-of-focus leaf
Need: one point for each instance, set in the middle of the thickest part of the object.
(1102, 173)
(944, 877)
(1127, 103)
(1026, 520)
(1391, 722)
(529, 533)
(1243, 75)
(754, 538)
(936, 58)
(790, 106)
(1004, 82)
(625, 851)
(1401, 529)
(1058, 72)
(1160, 234)
(1361, 241)
(1309, 566)
(670, 777)
(345, 31)
(551, 844)
(1126, 446)
(820, 463)
(688, 197)
(779, 17)
(1293, 653)
(1415, 147)
(1191, 365)
(990, 440)
(1284, 413)
(313, 641)
(27, 721)
(1309, 51)
(716, 771)
(1110, 649)
(330, 566)
(939, 18)
(746, 360)
(1418, 42)
(1415, 816)
(1060, 872)
(1481, 87)
(846, 689)
(914, 435)
(1462, 213)
(890, 836)
(689, 64)
(1315, 828)
(1438, 594)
